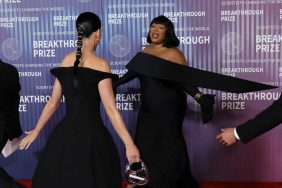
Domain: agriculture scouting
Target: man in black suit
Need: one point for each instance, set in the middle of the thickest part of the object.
(263, 122)
(9, 115)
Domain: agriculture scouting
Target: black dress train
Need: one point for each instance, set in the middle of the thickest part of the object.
(80, 151)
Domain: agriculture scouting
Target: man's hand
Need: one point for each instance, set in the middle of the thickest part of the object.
(227, 137)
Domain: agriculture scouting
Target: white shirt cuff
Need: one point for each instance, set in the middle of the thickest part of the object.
(236, 135)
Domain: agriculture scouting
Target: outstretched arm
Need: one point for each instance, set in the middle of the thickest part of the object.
(205, 100)
(130, 75)
(9, 106)
(261, 123)
(49, 109)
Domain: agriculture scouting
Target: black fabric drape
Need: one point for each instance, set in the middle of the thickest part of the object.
(153, 66)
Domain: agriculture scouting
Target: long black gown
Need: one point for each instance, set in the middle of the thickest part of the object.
(159, 135)
(80, 151)
(163, 104)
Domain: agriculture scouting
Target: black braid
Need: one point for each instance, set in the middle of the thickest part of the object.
(86, 23)
(79, 44)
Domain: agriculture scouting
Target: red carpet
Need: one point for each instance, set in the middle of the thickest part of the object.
(27, 183)
(215, 184)
(241, 184)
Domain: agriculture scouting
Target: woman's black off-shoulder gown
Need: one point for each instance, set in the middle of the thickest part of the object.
(163, 105)
(159, 135)
(80, 151)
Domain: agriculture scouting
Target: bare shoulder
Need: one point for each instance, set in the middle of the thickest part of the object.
(98, 63)
(147, 49)
(176, 56)
(69, 59)
(104, 65)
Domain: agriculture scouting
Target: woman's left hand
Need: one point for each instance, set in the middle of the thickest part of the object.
(132, 153)
(28, 140)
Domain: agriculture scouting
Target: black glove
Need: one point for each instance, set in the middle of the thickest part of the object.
(206, 102)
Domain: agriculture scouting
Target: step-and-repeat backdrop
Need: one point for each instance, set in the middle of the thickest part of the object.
(232, 37)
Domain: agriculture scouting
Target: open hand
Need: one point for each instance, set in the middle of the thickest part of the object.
(29, 139)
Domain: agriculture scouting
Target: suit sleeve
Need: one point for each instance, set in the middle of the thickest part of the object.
(261, 123)
(12, 119)
(130, 75)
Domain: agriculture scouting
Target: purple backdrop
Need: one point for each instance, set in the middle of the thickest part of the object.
(237, 38)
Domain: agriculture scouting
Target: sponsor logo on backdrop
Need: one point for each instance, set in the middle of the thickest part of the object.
(39, 9)
(278, 84)
(30, 74)
(119, 46)
(231, 43)
(11, 49)
(127, 101)
(62, 21)
(204, 39)
(233, 70)
(36, 65)
(268, 27)
(119, 72)
(117, 18)
(231, 15)
(268, 43)
(201, 28)
(43, 87)
(8, 22)
(174, 16)
(186, 40)
(33, 99)
(140, 5)
(234, 101)
(47, 48)
(52, 33)
(10, 1)
(248, 61)
(31, 9)
(118, 63)
(251, 2)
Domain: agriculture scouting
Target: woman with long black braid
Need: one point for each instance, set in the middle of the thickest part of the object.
(80, 151)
